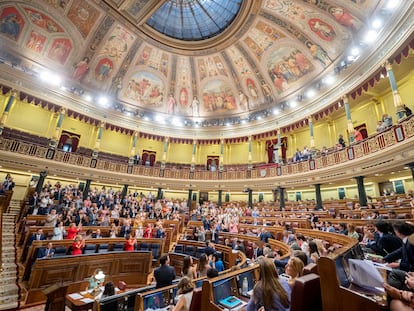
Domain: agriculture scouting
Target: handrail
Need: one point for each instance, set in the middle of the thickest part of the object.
(397, 134)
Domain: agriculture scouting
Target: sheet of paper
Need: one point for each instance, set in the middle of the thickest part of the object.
(87, 300)
(75, 296)
(380, 265)
(364, 273)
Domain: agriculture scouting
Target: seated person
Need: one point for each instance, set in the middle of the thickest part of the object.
(109, 290)
(96, 279)
(46, 252)
(270, 292)
(185, 294)
(294, 269)
(401, 300)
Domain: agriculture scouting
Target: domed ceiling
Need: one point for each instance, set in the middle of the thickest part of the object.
(207, 62)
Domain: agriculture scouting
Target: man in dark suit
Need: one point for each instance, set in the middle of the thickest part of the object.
(37, 236)
(257, 251)
(265, 235)
(164, 274)
(46, 252)
(405, 255)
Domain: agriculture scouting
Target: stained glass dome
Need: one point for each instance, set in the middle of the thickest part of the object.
(194, 20)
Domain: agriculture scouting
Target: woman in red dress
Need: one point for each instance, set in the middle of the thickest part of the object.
(148, 231)
(130, 243)
(72, 231)
(78, 245)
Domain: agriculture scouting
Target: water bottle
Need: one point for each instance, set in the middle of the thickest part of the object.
(245, 287)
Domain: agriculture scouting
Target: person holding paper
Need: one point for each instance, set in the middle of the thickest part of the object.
(405, 255)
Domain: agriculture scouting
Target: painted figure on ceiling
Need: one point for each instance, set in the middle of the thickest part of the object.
(171, 104)
(10, 25)
(81, 69)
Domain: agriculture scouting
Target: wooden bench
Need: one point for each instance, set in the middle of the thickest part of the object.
(134, 269)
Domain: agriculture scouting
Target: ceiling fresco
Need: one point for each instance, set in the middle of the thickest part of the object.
(123, 49)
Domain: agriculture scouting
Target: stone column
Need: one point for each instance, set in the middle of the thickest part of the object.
(86, 189)
(159, 194)
(312, 138)
(6, 111)
(220, 198)
(193, 155)
(250, 198)
(349, 119)
(411, 166)
(133, 151)
(164, 153)
(124, 191)
(361, 191)
(281, 198)
(190, 199)
(41, 181)
(98, 140)
(54, 140)
(399, 107)
(318, 196)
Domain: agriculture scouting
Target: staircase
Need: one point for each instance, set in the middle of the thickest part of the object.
(9, 290)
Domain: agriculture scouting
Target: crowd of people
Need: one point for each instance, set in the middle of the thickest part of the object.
(64, 207)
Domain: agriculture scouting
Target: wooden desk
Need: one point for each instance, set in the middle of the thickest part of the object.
(79, 304)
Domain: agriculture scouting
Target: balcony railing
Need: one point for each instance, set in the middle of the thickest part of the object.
(396, 134)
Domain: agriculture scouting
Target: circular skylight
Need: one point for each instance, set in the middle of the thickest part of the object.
(194, 20)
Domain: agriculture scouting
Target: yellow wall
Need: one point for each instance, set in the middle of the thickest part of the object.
(180, 153)
(115, 142)
(30, 118)
(237, 153)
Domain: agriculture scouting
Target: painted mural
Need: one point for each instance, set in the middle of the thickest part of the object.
(239, 62)
(83, 16)
(287, 65)
(154, 58)
(322, 29)
(60, 4)
(183, 84)
(261, 37)
(36, 42)
(211, 66)
(43, 21)
(103, 69)
(136, 7)
(343, 17)
(304, 17)
(60, 50)
(146, 89)
(12, 23)
(218, 98)
(112, 53)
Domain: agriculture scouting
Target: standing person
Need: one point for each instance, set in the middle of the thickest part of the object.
(130, 242)
(217, 263)
(188, 268)
(203, 265)
(341, 141)
(270, 292)
(78, 245)
(358, 136)
(164, 274)
(59, 231)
